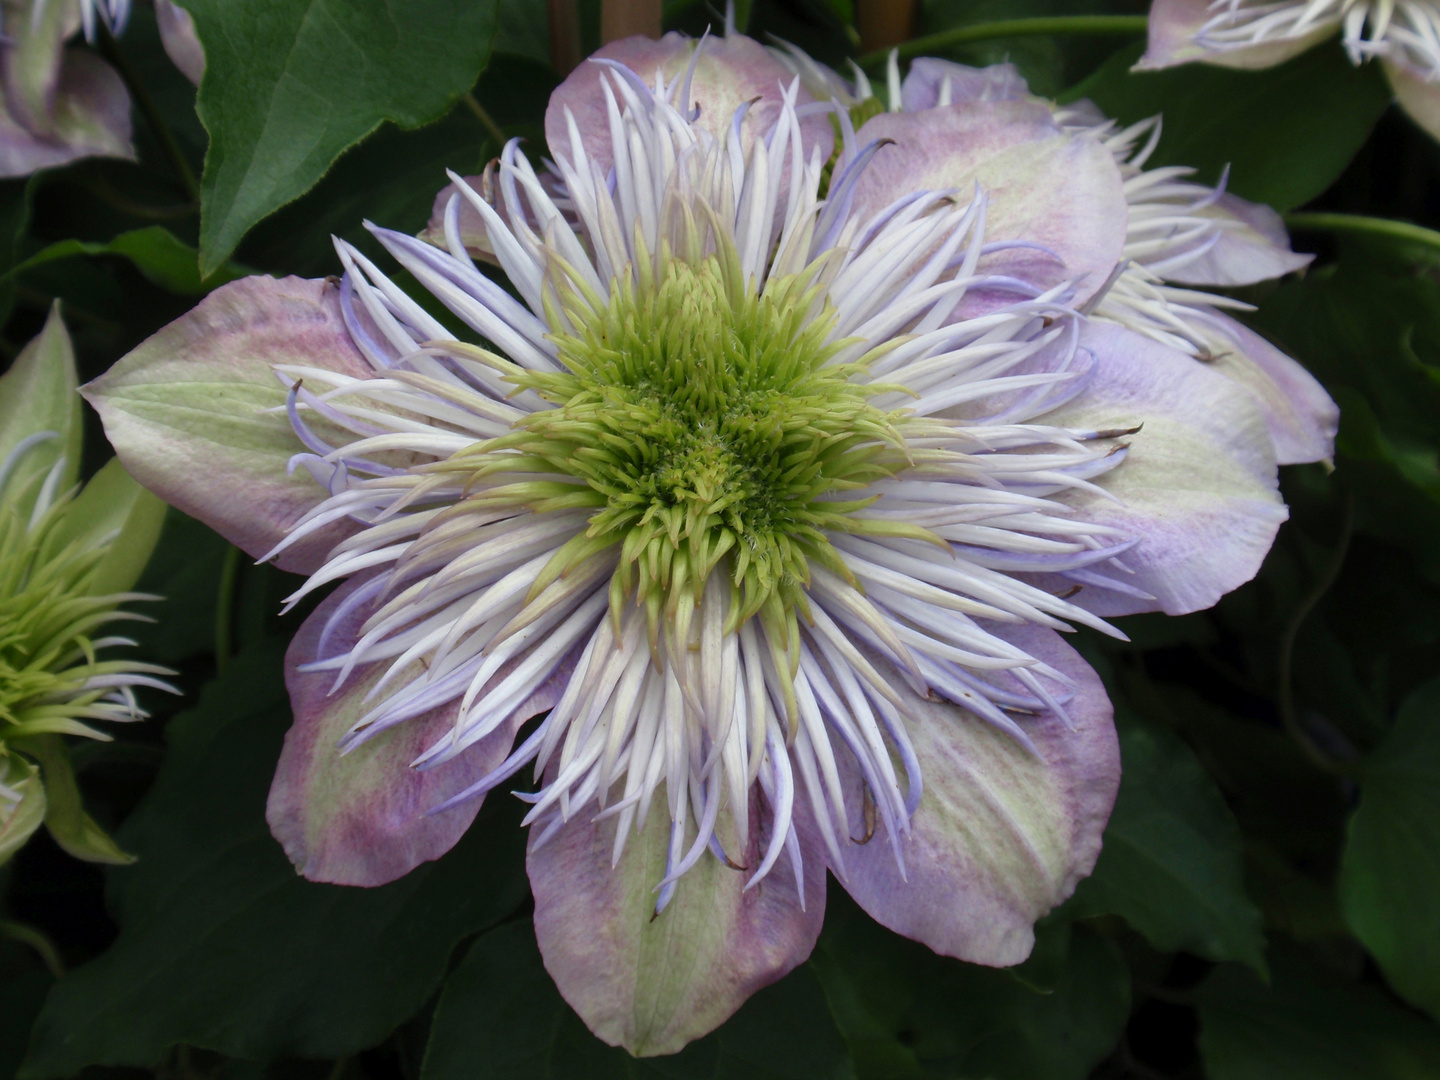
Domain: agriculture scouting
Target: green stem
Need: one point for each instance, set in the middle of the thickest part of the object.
(1284, 668)
(485, 118)
(225, 608)
(146, 104)
(28, 935)
(1106, 25)
(1359, 223)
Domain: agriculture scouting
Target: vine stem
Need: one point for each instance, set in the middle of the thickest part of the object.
(1359, 223)
(1111, 25)
(1285, 665)
(146, 104)
(488, 121)
(225, 608)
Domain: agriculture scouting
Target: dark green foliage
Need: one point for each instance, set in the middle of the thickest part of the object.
(1317, 110)
(1309, 1024)
(1391, 871)
(290, 86)
(906, 1012)
(1172, 863)
(501, 1007)
(270, 964)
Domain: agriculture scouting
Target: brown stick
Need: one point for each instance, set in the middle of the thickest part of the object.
(564, 35)
(883, 23)
(624, 18)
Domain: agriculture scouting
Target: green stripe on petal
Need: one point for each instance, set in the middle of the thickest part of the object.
(652, 983)
(187, 410)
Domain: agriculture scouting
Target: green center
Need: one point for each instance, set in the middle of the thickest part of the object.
(712, 429)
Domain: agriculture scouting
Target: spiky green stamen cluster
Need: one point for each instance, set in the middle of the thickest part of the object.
(46, 618)
(710, 430)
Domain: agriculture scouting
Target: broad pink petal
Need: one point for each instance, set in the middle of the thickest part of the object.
(1253, 246)
(359, 818)
(1175, 24)
(651, 984)
(1198, 485)
(186, 411)
(730, 72)
(182, 44)
(1001, 835)
(1058, 190)
(927, 76)
(1300, 415)
(90, 117)
(1418, 96)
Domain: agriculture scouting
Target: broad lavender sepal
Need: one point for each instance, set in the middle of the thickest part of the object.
(1176, 38)
(1059, 191)
(196, 413)
(652, 983)
(1002, 834)
(1418, 95)
(360, 818)
(925, 83)
(729, 73)
(1199, 485)
(182, 44)
(1301, 417)
(1253, 246)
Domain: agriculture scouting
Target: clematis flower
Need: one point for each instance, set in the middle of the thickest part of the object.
(769, 490)
(61, 102)
(1403, 34)
(1179, 233)
(68, 556)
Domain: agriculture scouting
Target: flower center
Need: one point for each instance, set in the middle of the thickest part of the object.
(710, 428)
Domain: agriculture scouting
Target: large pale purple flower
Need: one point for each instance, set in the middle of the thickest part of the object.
(768, 484)
(1403, 34)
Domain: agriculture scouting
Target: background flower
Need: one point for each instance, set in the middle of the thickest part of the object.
(61, 102)
(1404, 35)
(67, 558)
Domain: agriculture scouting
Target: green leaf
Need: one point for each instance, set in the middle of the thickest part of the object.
(163, 259)
(291, 84)
(1390, 873)
(19, 820)
(1369, 329)
(906, 1012)
(1318, 111)
(223, 947)
(1171, 864)
(392, 178)
(1309, 1025)
(112, 509)
(65, 817)
(501, 1007)
(23, 984)
(38, 394)
(185, 571)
